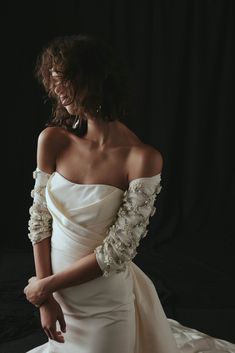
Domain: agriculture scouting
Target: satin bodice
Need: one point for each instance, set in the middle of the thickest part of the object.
(92, 206)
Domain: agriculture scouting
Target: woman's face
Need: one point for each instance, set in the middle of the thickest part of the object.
(64, 92)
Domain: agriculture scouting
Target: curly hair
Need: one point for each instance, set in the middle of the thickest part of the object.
(91, 68)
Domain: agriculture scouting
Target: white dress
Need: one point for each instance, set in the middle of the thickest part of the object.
(120, 313)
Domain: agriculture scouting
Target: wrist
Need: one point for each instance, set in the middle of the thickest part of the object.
(44, 291)
(47, 301)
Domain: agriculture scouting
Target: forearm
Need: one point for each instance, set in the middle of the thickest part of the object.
(42, 258)
(81, 271)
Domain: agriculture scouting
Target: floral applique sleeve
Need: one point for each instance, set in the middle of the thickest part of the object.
(123, 237)
(40, 222)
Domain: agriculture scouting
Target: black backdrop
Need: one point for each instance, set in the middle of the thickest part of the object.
(180, 57)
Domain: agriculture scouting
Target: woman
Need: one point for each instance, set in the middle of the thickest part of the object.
(95, 189)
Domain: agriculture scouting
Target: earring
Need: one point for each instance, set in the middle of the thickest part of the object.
(76, 122)
(98, 109)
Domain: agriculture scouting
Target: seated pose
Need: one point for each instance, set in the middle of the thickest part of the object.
(95, 190)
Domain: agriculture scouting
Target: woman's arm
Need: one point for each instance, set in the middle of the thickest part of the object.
(42, 258)
(46, 157)
(88, 268)
(81, 271)
(40, 230)
(49, 140)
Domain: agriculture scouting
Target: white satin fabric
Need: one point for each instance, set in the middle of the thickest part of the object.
(117, 314)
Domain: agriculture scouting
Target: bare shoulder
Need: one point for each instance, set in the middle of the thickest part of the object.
(144, 161)
(52, 134)
(50, 142)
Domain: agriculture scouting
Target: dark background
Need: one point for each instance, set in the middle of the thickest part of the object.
(180, 59)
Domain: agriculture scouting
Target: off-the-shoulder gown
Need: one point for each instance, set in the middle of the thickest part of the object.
(120, 313)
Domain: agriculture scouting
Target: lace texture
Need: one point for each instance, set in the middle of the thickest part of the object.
(130, 226)
(40, 222)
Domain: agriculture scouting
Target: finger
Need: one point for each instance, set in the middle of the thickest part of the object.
(55, 336)
(53, 332)
(47, 333)
(31, 279)
(62, 323)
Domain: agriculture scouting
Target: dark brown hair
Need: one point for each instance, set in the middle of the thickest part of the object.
(91, 68)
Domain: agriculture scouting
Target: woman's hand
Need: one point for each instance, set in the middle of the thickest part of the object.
(36, 291)
(50, 313)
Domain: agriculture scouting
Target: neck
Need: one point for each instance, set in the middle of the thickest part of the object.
(98, 131)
